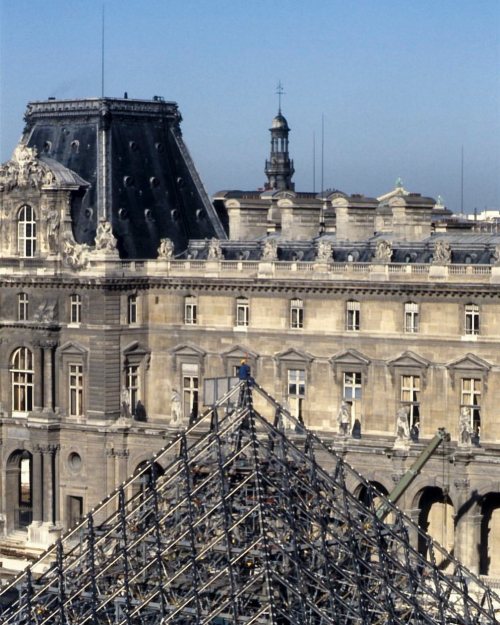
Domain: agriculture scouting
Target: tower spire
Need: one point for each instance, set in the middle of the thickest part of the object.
(280, 91)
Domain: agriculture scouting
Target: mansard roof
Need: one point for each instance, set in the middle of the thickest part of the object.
(140, 174)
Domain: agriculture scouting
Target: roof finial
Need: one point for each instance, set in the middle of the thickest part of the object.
(280, 91)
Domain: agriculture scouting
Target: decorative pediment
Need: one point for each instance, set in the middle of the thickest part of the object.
(469, 363)
(349, 360)
(187, 353)
(350, 357)
(294, 355)
(239, 352)
(72, 349)
(135, 352)
(188, 350)
(409, 360)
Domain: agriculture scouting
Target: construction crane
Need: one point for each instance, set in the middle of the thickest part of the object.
(411, 474)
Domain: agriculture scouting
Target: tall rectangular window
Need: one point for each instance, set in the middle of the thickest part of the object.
(242, 312)
(75, 390)
(296, 392)
(190, 391)
(411, 317)
(410, 397)
(26, 231)
(76, 308)
(296, 314)
(352, 392)
(22, 307)
(471, 319)
(352, 316)
(190, 310)
(471, 399)
(132, 309)
(132, 384)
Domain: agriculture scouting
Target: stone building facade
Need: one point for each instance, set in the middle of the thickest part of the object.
(351, 311)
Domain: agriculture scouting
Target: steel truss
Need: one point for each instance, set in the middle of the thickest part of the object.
(247, 518)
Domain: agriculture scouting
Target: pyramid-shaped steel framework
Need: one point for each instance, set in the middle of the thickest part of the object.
(247, 518)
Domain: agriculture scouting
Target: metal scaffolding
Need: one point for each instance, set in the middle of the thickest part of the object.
(247, 517)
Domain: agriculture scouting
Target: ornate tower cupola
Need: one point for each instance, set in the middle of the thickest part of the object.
(279, 168)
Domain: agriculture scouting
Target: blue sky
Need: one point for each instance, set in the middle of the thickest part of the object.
(402, 84)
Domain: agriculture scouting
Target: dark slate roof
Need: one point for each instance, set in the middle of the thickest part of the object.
(140, 173)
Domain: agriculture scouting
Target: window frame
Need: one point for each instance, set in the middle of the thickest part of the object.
(132, 309)
(296, 314)
(76, 386)
(352, 316)
(75, 309)
(474, 408)
(471, 319)
(411, 318)
(190, 310)
(133, 384)
(22, 306)
(22, 388)
(26, 231)
(413, 399)
(354, 385)
(296, 378)
(190, 390)
(242, 319)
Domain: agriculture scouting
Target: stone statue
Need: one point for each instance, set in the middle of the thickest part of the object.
(270, 250)
(496, 255)
(104, 239)
(344, 418)
(402, 425)
(125, 403)
(383, 251)
(465, 428)
(166, 249)
(52, 229)
(45, 312)
(23, 170)
(442, 253)
(324, 251)
(75, 255)
(214, 250)
(175, 408)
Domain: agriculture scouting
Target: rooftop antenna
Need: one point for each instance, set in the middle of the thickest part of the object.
(462, 182)
(280, 92)
(314, 162)
(102, 53)
(322, 151)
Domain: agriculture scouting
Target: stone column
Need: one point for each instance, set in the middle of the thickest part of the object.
(121, 457)
(467, 526)
(37, 485)
(110, 470)
(48, 370)
(38, 391)
(49, 485)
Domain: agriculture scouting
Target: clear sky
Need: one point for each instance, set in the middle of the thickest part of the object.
(402, 84)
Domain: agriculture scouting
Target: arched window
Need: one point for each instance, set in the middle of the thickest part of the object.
(26, 232)
(22, 380)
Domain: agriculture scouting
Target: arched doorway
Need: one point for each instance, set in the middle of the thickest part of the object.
(490, 535)
(437, 519)
(19, 490)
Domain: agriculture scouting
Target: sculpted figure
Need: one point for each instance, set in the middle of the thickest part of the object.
(324, 251)
(214, 250)
(75, 255)
(402, 426)
(465, 428)
(52, 229)
(105, 240)
(166, 249)
(23, 170)
(125, 403)
(175, 408)
(270, 250)
(496, 255)
(383, 251)
(344, 418)
(442, 253)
